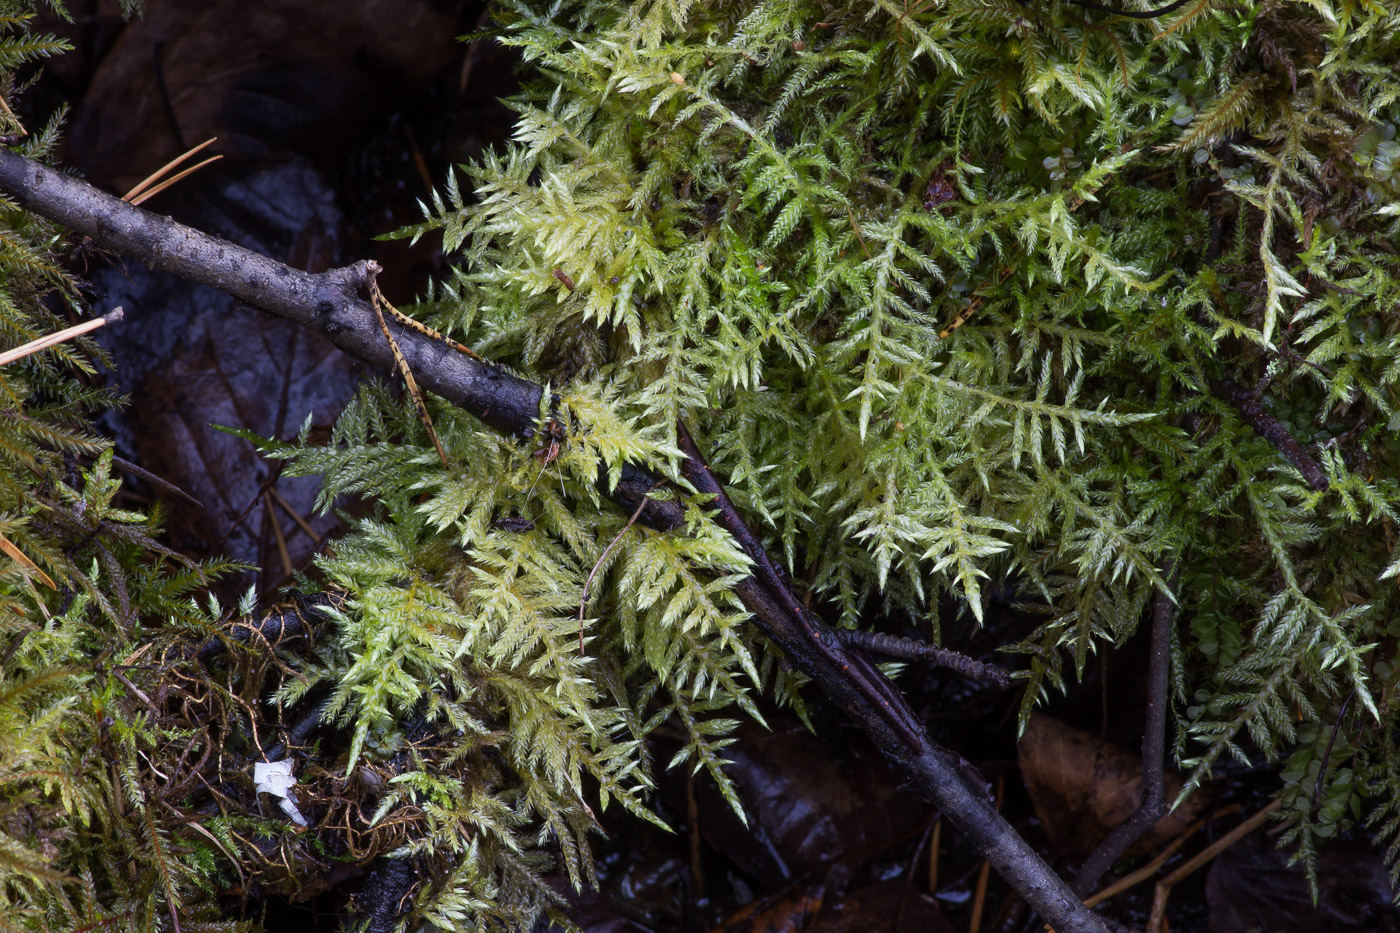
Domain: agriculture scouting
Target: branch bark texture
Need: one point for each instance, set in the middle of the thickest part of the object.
(1153, 805)
(1271, 429)
(330, 303)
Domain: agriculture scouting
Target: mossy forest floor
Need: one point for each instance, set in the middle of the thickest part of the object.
(329, 146)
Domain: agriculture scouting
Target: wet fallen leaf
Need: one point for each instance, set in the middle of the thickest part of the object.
(1082, 787)
(192, 358)
(1252, 887)
(805, 804)
(883, 907)
(787, 911)
(589, 911)
(825, 901)
(267, 77)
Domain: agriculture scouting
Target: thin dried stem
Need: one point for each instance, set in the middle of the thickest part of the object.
(380, 303)
(282, 551)
(159, 173)
(146, 196)
(617, 538)
(1147, 871)
(1164, 887)
(68, 333)
(12, 550)
(294, 514)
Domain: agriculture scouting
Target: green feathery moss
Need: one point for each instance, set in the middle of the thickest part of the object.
(954, 292)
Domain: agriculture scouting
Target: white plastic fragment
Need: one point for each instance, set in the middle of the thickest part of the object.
(275, 778)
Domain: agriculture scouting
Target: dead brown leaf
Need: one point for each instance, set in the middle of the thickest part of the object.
(1082, 787)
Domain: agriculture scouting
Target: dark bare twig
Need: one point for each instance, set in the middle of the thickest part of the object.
(1132, 14)
(126, 466)
(914, 650)
(329, 303)
(924, 839)
(692, 811)
(1290, 354)
(15, 641)
(385, 897)
(1270, 429)
(287, 625)
(1327, 755)
(863, 678)
(263, 487)
(588, 584)
(1153, 805)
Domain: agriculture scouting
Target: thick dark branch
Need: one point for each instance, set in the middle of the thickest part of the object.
(330, 304)
(385, 898)
(288, 625)
(894, 646)
(1132, 14)
(1153, 805)
(1270, 429)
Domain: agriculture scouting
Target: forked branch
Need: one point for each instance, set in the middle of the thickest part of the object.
(331, 304)
(1153, 805)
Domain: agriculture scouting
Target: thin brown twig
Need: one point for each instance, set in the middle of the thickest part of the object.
(929, 826)
(380, 302)
(282, 551)
(1327, 755)
(587, 584)
(935, 850)
(859, 236)
(1159, 899)
(912, 649)
(473, 50)
(1271, 429)
(1150, 869)
(126, 466)
(963, 316)
(294, 514)
(419, 162)
(273, 477)
(697, 874)
(1291, 354)
(136, 690)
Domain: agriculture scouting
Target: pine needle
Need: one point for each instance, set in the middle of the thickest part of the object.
(19, 557)
(143, 198)
(159, 173)
(77, 330)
